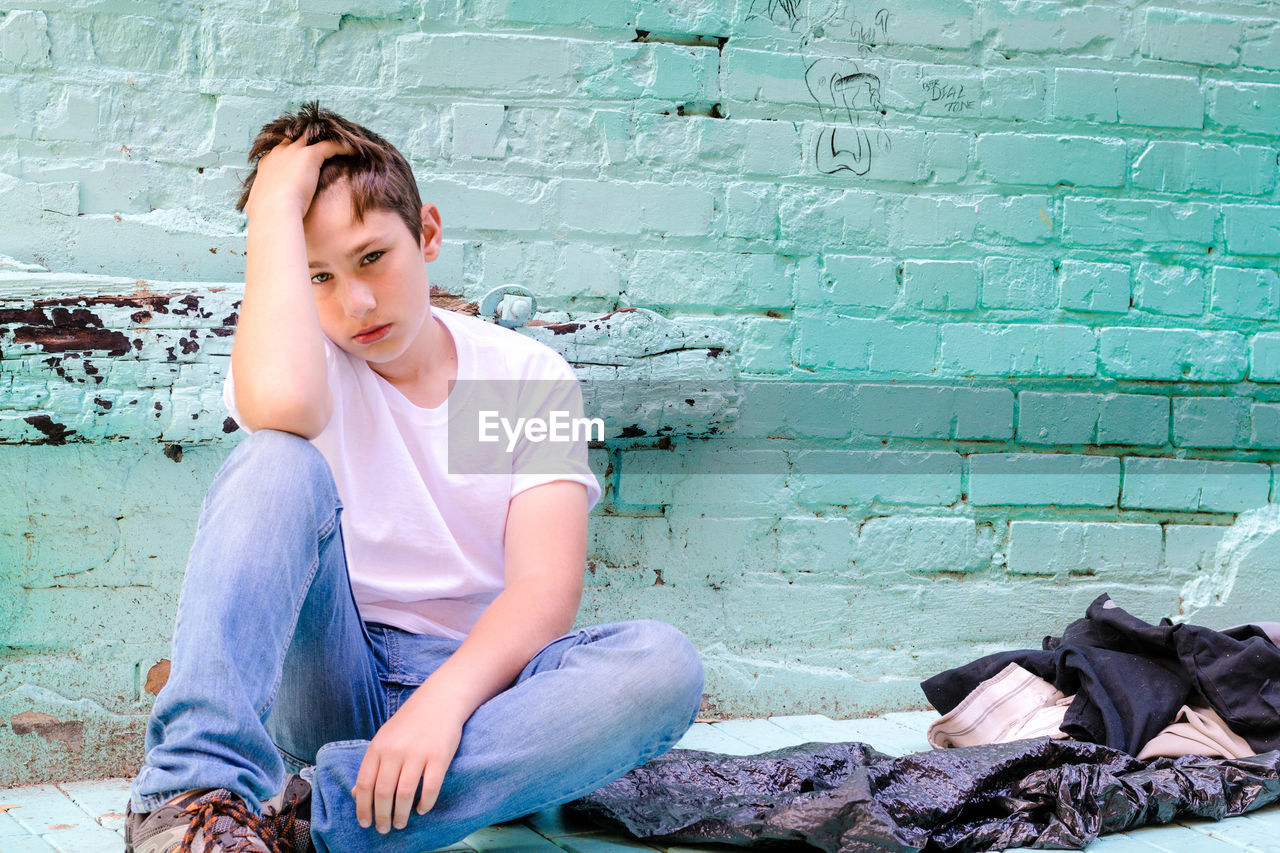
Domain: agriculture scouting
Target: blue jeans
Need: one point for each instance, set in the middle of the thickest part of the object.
(273, 670)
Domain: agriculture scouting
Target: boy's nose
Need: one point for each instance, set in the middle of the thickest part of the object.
(358, 299)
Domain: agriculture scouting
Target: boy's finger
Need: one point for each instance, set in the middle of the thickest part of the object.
(363, 790)
(384, 793)
(432, 779)
(408, 786)
(327, 148)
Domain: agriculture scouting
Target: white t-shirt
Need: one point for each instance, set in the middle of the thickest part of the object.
(424, 538)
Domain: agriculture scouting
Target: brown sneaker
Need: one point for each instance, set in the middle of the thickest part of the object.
(205, 821)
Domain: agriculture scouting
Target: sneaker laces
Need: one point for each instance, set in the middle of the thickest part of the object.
(221, 815)
(291, 832)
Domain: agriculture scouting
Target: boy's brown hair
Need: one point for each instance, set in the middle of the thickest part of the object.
(378, 174)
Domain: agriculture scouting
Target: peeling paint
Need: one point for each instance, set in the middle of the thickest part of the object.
(70, 732)
(157, 677)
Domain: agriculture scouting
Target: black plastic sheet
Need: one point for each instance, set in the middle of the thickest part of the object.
(849, 798)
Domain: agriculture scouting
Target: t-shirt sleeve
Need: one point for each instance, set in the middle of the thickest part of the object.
(331, 369)
(562, 453)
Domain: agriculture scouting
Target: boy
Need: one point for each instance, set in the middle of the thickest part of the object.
(355, 609)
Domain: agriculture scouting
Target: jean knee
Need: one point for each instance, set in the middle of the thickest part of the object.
(276, 457)
(671, 668)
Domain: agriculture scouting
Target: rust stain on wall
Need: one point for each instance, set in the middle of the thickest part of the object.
(70, 732)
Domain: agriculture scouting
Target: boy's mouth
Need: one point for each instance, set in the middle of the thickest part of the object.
(372, 334)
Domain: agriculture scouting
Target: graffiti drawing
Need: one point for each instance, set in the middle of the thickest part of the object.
(849, 96)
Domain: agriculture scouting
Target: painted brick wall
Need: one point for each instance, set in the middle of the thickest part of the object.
(976, 301)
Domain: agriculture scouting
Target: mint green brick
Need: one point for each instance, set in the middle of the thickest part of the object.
(832, 218)
(141, 43)
(1026, 219)
(1159, 101)
(600, 14)
(766, 345)
(1016, 158)
(477, 131)
(1138, 419)
(938, 412)
(768, 147)
(655, 70)
(1210, 421)
(506, 65)
(1018, 283)
(913, 545)
(1085, 95)
(1252, 294)
(1096, 288)
(1189, 548)
(923, 221)
(853, 343)
(738, 482)
(231, 49)
(1084, 548)
(760, 75)
(1169, 290)
(1052, 27)
(327, 14)
(1181, 167)
(984, 414)
(1023, 349)
(1172, 354)
(24, 40)
(1014, 95)
(689, 280)
(616, 207)
(861, 477)
(768, 409)
(703, 18)
(751, 211)
(1194, 485)
(1252, 229)
(1262, 49)
(1264, 426)
(1142, 99)
(815, 544)
(1264, 357)
(941, 285)
(1192, 37)
(1043, 479)
(848, 281)
(1138, 223)
(583, 271)
(1247, 107)
(1047, 418)
(505, 204)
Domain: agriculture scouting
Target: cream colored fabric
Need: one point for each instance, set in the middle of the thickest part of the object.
(1012, 705)
(1196, 731)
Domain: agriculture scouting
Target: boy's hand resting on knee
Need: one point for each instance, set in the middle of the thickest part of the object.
(411, 748)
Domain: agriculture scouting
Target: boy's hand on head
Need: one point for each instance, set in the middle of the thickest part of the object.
(287, 175)
(412, 748)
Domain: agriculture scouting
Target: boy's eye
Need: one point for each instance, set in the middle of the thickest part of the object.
(320, 278)
(372, 256)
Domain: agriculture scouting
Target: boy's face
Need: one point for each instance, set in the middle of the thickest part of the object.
(369, 278)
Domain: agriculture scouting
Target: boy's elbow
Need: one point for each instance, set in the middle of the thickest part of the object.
(301, 416)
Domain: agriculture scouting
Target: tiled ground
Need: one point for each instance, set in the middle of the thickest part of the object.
(86, 817)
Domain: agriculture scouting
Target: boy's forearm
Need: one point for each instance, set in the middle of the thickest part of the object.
(278, 354)
(524, 617)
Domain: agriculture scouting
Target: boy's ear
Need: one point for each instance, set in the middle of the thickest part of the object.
(431, 232)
